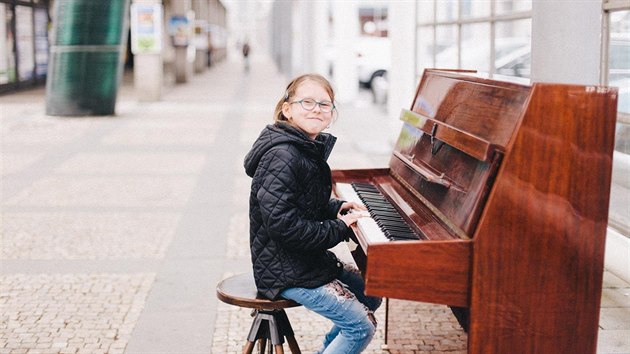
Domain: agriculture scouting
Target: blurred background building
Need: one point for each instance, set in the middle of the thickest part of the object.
(380, 46)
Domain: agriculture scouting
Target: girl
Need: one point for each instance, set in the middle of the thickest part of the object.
(294, 221)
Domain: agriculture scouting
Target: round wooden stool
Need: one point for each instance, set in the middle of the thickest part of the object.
(270, 320)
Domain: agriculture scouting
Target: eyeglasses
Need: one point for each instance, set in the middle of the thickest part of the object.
(309, 104)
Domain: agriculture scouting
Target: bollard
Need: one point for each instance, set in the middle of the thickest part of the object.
(86, 57)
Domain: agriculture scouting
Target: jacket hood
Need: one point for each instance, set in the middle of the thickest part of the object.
(282, 133)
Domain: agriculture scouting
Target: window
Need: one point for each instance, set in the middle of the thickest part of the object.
(616, 72)
(23, 43)
(7, 51)
(492, 37)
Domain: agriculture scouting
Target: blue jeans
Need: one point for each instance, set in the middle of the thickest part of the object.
(343, 301)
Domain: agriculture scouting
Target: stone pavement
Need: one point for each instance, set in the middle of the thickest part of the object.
(115, 230)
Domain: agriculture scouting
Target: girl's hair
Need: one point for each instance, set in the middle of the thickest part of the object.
(292, 87)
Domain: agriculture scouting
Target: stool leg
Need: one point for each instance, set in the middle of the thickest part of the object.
(284, 327)
(262, 345)
(253, 331)
(275, 330)
(253, 336)
(293, 346)
(249, 348)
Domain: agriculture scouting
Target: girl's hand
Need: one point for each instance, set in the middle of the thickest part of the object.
(346, 206)
(346, 214)
(350, 218)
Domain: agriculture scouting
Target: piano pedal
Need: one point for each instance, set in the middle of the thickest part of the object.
(385, 347)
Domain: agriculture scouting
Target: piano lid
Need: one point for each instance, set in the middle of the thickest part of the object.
(486, 109)
(453, 140)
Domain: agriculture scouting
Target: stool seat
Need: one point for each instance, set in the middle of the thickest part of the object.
(240, 290)
(270, 321)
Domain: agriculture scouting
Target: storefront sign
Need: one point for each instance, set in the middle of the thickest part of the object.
(146, 28)
(179, 29)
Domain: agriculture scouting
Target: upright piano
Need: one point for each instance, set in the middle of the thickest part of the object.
(495, 202)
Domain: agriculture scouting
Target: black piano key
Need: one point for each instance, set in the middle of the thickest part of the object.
(364, 186)
(392, 227)
(382, 210)
(400, 235)
(388, 216)
(390, 220)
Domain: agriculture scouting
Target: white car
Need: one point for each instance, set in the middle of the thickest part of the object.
(373, 58)
(512, 56)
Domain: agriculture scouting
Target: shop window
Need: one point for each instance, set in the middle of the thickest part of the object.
(24, 40)
(492, 37)
(618, 75)
(7, 49)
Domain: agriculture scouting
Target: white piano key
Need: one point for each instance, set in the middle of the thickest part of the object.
(370, 229)
(347, 193)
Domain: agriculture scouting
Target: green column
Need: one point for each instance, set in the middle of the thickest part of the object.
(86, 57)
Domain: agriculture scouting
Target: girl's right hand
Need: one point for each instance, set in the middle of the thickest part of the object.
(350, 218)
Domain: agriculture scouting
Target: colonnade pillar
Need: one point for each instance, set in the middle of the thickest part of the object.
(316, 36)
(147, 37)
(200, 36)
(567, 62)
(85, 66)
(402, 26)
(184, 52)
(345, 33)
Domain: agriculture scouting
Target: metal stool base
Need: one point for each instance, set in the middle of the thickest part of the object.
(271, 325)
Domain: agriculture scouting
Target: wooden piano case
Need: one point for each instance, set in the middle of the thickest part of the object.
(509, 186)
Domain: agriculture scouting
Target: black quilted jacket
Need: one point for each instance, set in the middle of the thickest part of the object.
(293, 220)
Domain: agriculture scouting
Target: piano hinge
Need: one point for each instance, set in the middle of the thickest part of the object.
(436, 145)
(454, 228)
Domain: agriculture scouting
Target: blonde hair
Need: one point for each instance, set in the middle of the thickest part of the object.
(278, 116)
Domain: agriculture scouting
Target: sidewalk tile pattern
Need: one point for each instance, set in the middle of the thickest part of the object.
(108, 191)
(133, 163)
(14, 162)
(42, 130)
(57, 236)
(238, 237)
(70, 313)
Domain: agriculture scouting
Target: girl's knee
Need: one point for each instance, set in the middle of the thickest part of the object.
(365, 329)
(371, 331)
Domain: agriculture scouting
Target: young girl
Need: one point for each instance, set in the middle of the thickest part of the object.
(294, 221)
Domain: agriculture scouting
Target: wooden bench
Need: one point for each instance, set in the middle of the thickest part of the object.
(270, 320)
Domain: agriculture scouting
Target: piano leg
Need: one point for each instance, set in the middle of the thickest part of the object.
(385, 346)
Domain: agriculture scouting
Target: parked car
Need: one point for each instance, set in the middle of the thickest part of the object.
(512, 56)
(516, 63)
(374, 57)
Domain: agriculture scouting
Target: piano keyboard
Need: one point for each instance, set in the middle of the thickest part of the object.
(385, 223)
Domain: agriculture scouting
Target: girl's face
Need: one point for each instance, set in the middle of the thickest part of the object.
(310, 122)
